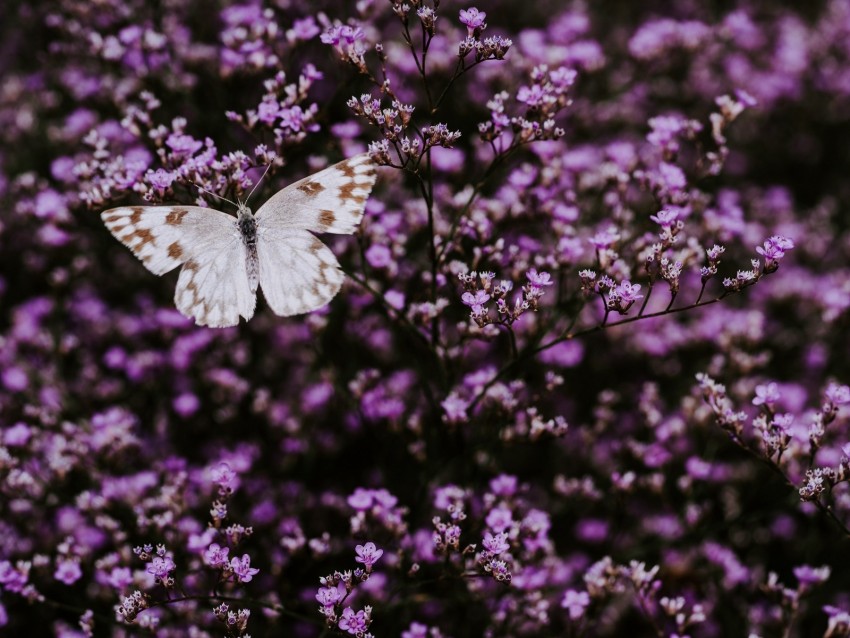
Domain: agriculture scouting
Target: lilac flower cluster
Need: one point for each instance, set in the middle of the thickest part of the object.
(587, 375)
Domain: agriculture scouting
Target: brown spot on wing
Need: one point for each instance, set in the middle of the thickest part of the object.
(175, 216)
(136, 217)
(142, 234)
(326, 218)
(347, 169)
(175, 250)
(311, 189)
(346, 193)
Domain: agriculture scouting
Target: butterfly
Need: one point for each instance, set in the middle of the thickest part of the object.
(226, 258)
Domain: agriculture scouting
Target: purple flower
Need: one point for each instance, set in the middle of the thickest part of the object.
(504, 485)
(808, 575)
(605, 239)
(15, 379)
(455, 408)
(216, 556)
(161, 566)
(68, 571)
(352, 622)
(224, 477)
(330, 596)
(473, 19)
(346, 40)
(496, 544)
(767, 395)
(775, 247)
(623, 296)
(773, 251)
(533, 96)
(476, 301)
(575, 602)
(666, 217)
(14, 578)
(120, 578)
(304, 29)
(242, 568)
(183, 145)
(368, 554)
(539, 280)
(379, 256)
(499, 519)
(17, 435)
(161, 179)
(186, 404)
(838, 394)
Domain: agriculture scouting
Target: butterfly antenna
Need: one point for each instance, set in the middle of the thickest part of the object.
(211, 193)
(268, 166)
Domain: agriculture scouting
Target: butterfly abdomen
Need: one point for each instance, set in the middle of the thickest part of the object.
(248, 229)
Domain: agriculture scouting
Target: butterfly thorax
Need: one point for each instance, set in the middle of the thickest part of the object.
(248, 229)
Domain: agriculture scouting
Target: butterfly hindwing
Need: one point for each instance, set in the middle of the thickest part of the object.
(213, 287)
(331, 201)
(298, 273)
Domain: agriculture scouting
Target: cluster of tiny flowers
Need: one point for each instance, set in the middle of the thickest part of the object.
(131, 606)
(284, 109)
(249, 35)
(234, 621)
(543, 99)
(392, 124)
(160, 563)
(489, 48)
(617, 297)
(475, 453)
(784, 443)
(348, 42)
(335, 589)
(478, 298)
(773, 251)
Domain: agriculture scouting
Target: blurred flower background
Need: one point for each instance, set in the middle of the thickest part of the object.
(588, 372)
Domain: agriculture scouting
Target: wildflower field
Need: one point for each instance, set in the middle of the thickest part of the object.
(588, 372)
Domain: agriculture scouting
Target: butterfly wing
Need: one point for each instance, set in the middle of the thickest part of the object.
(331, 201)
(298, 273)
(213, 287)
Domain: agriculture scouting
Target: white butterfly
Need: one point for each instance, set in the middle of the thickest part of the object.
(226, 258)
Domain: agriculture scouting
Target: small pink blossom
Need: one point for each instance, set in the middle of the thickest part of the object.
(473, 19)
(242, 568)
(216, 556)
(161, 566)
(575, 602)
(330, 596)
(496, 544)
(368, 554)
(351, 622)
(68, 571)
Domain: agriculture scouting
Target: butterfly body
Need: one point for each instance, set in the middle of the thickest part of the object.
(227, 259)
(248, 229)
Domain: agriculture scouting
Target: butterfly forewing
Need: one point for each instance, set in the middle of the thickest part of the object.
(164, 237)
(331, 201)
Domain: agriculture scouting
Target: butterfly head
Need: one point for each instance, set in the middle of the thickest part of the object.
(243, 212)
